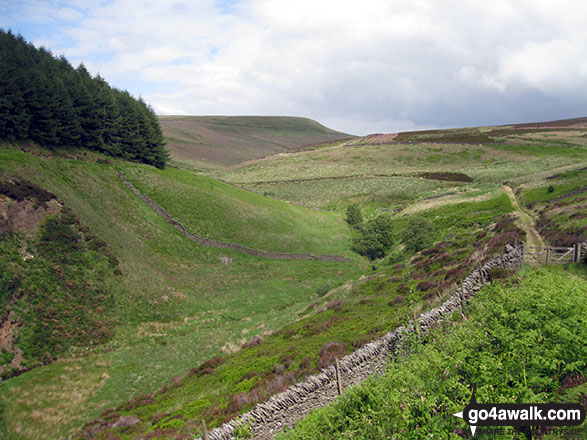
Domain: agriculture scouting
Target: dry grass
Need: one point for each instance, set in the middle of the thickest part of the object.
(352, 170)
(36, 405)
(208, 142)
(474, 196)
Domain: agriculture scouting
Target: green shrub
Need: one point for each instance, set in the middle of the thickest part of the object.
(6, 356)
(418, 235)
(376, 237)
(369, 246)
(243, 432)
(325, 288)
(354, 217)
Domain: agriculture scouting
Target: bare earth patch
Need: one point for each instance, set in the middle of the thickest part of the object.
(25, 216)
(8, 330)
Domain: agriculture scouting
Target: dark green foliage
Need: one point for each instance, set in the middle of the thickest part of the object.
(369, 246)
(418, 234)
(382, 227)
(376, 237)
(451, 177)
(354, 217)
(46, 100)
(551, 189)
(20, 190)
(58, 239)
(9, 275)
(325, 288)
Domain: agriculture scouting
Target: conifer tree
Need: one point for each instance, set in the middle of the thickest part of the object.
(44, 99)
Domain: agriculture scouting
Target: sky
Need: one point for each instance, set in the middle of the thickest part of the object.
(369, 66)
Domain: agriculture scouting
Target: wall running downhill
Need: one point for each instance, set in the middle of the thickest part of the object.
(293, 404)
(224, 244)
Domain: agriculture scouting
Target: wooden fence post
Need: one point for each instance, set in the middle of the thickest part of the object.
(205, 431)
(416, 325)
(547, 252)
(338, 378)
(462, 295)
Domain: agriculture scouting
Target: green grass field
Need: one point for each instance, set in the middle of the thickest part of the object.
(177, 304)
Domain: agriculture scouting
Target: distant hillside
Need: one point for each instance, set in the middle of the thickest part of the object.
(392, 171)
(173, 333)
(207, 142)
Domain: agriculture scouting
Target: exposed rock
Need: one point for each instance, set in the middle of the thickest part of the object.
(25, 216)
(126, 421)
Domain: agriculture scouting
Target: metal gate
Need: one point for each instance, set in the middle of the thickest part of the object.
(551, 254)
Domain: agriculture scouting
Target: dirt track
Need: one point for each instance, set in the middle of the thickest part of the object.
(526, 222)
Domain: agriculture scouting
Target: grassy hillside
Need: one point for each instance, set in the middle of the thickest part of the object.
(176, 303)
(337, 322)
(391, 172)
(560, 203)
(209, 142)
(54, 290)
(215, 210)
(206, 333)
(523, 341)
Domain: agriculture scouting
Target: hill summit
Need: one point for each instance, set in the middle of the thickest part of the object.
(208, 142)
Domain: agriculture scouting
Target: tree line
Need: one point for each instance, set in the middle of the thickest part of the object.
(45, 99)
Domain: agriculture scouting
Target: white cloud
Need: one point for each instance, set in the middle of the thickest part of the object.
(550, 67)
(69, 14)
(369, 65)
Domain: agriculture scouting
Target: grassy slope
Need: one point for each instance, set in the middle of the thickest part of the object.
(339, 322)
(559, 205)
(62, 291)
(523, 342)
(216, 210)
(386, 173)
(177, 302)
(467, 217)
(208, 142)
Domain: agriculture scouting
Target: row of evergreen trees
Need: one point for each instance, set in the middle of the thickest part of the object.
(44, 99)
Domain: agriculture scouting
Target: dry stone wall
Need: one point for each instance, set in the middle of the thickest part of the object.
(293, 404)
(225, 244)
